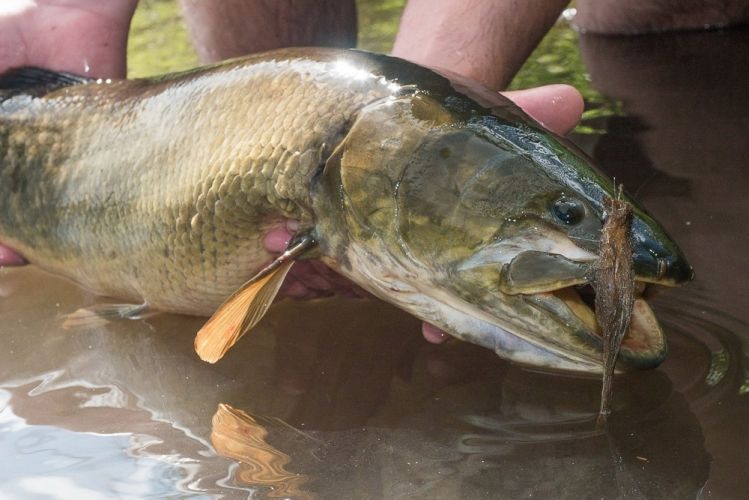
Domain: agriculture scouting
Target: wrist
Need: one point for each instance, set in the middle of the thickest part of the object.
(484, 40)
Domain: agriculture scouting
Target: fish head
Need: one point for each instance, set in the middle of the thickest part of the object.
(486, 225)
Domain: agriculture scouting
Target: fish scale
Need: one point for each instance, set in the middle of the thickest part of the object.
(119, 221)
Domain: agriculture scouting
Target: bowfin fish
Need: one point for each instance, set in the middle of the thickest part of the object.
(436, 195)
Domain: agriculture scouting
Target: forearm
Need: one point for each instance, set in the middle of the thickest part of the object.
(231, 28)
(80, 36)
(486, 40)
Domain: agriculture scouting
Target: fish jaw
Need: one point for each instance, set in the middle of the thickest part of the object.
(551, 330)
(536, 286)
(562, 323)
(419, 291)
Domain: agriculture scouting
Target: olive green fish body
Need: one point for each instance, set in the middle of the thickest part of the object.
(434, 194)
(160, 191)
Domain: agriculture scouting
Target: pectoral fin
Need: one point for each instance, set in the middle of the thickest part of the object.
(246, 307)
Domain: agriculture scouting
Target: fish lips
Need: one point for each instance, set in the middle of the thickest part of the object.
(533, 271)
(657, 259)
(555, 286)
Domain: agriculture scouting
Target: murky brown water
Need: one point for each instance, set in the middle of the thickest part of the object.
(343, 399)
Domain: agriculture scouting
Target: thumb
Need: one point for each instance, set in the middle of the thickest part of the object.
(557, 107)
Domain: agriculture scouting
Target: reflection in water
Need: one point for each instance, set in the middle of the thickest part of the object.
(239, 436)
(88, 441)
(710, 331)
(549, 440)
(47, 459)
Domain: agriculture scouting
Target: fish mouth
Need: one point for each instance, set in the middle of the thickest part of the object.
(551, 328)
(544, 299)
(644, 343)
(558, 287)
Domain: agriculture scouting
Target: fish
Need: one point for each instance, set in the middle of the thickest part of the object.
(425, 189)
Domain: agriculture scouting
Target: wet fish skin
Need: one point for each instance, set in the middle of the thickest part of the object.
(433, 195)
(419, 188)
(159, 190)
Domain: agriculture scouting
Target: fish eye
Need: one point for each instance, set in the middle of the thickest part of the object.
(568, 211)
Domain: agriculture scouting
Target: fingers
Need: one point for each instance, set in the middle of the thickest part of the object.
(557, 107)
(277, 239)
(433, 334)
(10, 258)
(308, 278)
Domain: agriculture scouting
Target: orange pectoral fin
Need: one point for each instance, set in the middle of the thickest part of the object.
(243, 310)
(247, 306)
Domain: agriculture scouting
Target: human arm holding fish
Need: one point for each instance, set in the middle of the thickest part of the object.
(232, 28)
(486, 41)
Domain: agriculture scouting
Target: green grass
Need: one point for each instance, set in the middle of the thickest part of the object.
(159, 42)
(378, 23)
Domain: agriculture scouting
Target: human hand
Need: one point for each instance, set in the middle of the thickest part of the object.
(86, 37)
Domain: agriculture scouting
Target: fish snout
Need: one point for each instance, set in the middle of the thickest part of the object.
(657, 259)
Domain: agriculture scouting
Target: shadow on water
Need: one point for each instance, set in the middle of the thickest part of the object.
(343, 399)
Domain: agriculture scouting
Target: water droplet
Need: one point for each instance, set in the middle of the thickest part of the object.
(569, 14)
